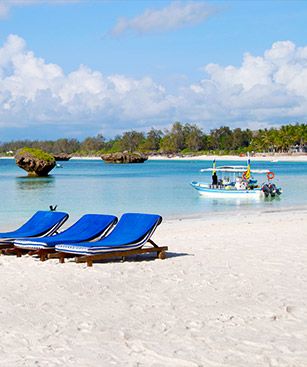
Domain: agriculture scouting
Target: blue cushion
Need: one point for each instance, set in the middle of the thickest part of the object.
(132, 231)
(87, 228)
(38, 225)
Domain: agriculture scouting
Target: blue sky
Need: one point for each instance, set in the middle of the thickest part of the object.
(78, 68)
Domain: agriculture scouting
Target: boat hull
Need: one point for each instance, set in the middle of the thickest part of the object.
(207, 191)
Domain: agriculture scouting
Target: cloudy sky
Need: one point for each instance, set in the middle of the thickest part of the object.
(79, 68)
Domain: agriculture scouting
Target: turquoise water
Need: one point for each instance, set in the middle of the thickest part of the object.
(156, 186)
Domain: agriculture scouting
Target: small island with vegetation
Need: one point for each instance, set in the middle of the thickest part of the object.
(35, 161)
(124, 157)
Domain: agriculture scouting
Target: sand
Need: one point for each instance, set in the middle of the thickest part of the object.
(262, 158)
(232, 292)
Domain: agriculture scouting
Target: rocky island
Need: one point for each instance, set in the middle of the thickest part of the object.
(124, 157)
(35, 161)
(62, 157)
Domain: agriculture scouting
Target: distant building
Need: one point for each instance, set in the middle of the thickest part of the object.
(298, 149)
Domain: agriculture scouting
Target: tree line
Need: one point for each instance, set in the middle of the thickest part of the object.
(180, 138)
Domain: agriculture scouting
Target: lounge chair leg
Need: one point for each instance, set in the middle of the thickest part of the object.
(152, 243)
(89, 262)
(42, 257)
(34, 252)
(18, 253)
(9, 251)
(62, 259)
(162, 255)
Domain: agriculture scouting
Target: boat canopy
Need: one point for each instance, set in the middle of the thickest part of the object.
(233, 169)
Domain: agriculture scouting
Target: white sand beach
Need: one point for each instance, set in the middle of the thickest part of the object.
(263, 158)
(232, 292)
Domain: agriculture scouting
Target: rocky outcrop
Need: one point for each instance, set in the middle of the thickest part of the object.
(62, 157)
(35, 161)
(124, 157)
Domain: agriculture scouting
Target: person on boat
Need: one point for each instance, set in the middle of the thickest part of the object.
(238, 183)
(243, 185)
(214, 179)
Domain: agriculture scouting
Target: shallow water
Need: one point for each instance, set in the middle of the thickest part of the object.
(91, 186)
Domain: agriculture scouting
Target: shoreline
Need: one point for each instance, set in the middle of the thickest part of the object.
(266, 158)
(218, 217)
(224, 215)
(274, 158)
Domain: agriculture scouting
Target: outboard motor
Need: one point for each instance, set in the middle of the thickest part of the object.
(270, 188)
(273, 189)
(266, 190)
(279, 191)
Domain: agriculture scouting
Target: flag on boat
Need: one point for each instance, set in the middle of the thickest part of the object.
(247, 173)
(214, 166)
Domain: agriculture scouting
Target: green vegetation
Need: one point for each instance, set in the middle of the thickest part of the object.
(37, 153)
(180, 139)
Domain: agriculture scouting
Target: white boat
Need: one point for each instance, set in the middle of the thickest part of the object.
(240, 185)
(225, 192)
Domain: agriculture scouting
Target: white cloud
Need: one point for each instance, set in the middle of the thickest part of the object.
(35, 92)
(263, 90)
(176, 15)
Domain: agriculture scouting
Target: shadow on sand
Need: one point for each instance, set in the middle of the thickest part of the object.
(137, 258)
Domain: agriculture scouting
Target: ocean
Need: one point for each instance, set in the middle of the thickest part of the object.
(162, 187)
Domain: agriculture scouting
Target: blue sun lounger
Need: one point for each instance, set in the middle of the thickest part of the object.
(128, 237)
(88, 228)
(42, 223)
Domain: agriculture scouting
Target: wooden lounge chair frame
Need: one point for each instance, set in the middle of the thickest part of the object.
(11, 250)
(89, 259)
(6, 245)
